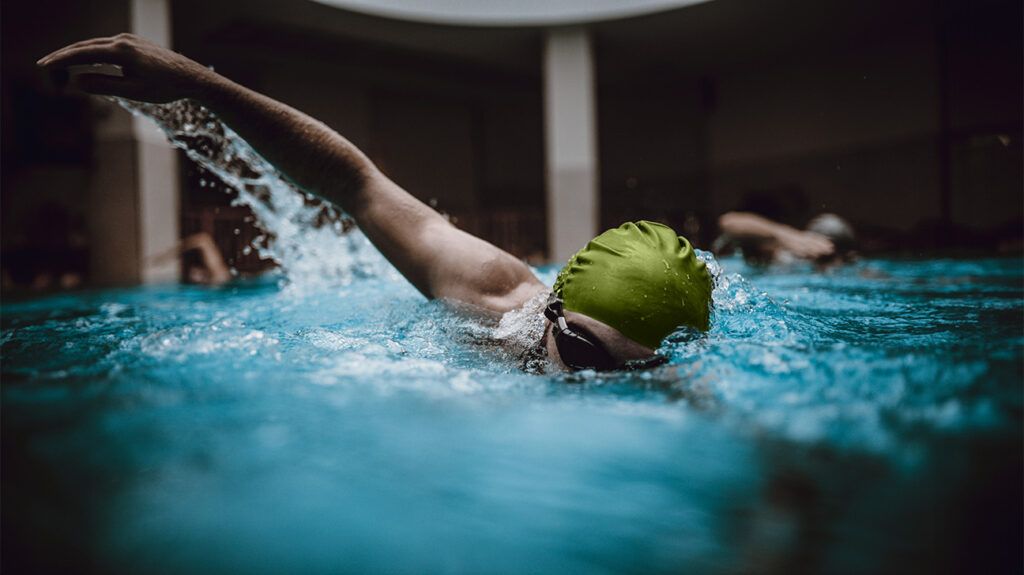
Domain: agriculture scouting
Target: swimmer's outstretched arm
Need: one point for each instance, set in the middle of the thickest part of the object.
(804, 244)
(439, 259)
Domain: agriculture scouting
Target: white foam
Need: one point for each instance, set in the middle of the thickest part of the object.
(315, 245)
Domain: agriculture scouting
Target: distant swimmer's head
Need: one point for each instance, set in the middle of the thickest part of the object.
(637, 283)
(839, 232)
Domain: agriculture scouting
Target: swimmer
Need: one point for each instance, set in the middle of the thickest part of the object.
(211, 270)
(611, 307)
(828, 240)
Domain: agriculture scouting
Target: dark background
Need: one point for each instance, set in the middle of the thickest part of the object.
(904, 117)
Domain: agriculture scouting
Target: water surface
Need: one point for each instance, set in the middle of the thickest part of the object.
(867, 420)
(330, 420)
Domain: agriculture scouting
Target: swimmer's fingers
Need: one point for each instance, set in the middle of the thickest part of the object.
(816, 247)
(151, 73)
(807, 244)
(90, 42)
(814, 250)
(824, 251)
(95, 51)
(87, 51)
(821, 245)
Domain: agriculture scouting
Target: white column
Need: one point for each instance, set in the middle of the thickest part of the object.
(570, 131)
(156, 163)
(133, 207)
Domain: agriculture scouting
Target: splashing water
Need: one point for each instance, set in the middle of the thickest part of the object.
(358, 430)
(315, 245)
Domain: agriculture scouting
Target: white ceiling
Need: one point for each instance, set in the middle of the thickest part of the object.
(506, 13)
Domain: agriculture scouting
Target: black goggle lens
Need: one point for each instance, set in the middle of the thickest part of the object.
(579, 352)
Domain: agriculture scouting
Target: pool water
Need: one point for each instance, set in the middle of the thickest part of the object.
(866, 420)
(330, 420)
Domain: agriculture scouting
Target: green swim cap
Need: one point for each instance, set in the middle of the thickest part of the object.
(642, 279)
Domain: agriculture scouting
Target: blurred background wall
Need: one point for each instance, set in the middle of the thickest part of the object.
(905, 117)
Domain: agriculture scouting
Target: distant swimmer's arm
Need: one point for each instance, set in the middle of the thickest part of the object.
(747, 226)
(213, 261)
(439, 259)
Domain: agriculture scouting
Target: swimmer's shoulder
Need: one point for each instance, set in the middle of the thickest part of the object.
(499, 285)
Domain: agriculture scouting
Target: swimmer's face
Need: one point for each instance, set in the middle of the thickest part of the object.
(620, 347)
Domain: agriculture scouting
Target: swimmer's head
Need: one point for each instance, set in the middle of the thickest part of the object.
(839, 232)
(641, 279)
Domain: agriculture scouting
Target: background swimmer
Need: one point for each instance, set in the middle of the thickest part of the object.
(827, 240)
(210, 267)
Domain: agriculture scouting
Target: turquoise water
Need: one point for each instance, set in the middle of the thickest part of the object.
(868, 420)
(330, 420)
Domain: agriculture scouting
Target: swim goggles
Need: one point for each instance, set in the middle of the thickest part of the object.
(581, 350)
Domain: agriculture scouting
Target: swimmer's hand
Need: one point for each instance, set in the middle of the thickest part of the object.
(150, 73)
(804, 244)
